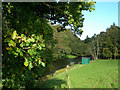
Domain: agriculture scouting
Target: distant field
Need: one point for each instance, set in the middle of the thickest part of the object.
(99, 74)
(71, 56)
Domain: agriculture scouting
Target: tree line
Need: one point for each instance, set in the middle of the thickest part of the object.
(105, 45)
(102, 46)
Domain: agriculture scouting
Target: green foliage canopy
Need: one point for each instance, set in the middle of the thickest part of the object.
(28, 38)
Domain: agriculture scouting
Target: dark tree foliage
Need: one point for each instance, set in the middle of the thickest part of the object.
(106, 44)
(28, 37)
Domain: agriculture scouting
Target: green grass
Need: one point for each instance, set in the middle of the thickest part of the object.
(99, 74)
(71, 56)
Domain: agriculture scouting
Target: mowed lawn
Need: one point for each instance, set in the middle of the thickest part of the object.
(99, 74)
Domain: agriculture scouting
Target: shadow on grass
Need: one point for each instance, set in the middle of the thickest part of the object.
(54, 83)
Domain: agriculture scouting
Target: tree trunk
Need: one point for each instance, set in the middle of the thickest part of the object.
(97, 48)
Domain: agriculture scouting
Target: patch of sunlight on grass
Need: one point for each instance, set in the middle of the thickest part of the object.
(71, 56)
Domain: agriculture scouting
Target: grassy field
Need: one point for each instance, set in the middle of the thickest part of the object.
(71, 56)
(99, 74)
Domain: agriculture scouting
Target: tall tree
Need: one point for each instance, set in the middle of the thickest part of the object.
(106, 44)
(94, 46)
(27, 35)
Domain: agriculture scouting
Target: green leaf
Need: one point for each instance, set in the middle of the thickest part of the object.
(27, 44)
(66, 12)
(30, 52)
(34, 45)
(30, 66)
(21, 45)
(39, 47)
(80, 6)
(33, 35)
(8, 3)
(90, 10)
(14, 35)
(43, 45)
(78, 11)
(26, 62)
(11, 43)
(18, 50)
(22, 35)
(43, 64)
(9, 11)
(16, 54)
(32, 40)
(28, 40)
(72, 20)
(38, 38)
(39, 62)
(93, 8)
(21, 53)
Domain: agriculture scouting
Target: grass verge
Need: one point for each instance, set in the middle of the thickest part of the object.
(99, 74)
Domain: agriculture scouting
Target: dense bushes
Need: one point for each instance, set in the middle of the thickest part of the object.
(29, 49)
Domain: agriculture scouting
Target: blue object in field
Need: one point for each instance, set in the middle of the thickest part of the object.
(85, 60)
